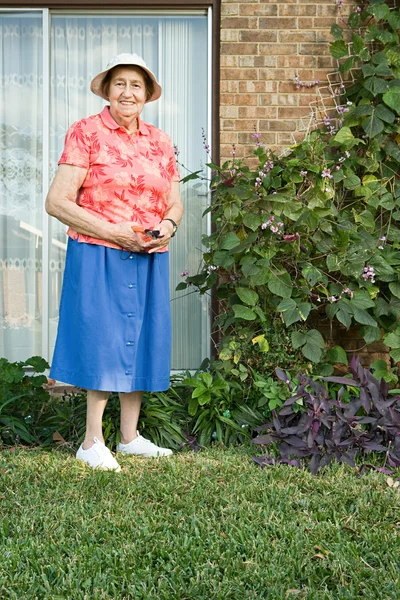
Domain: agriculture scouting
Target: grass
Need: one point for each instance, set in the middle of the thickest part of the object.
(208, 526)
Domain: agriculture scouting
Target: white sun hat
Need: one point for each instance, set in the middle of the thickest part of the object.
(133, 60)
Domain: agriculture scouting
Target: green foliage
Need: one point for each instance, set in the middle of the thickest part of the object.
(316, 230)
(21, 397)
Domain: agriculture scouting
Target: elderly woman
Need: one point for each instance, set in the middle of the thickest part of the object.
(117, 189)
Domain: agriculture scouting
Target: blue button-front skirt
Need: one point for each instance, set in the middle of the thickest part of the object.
(114, 332)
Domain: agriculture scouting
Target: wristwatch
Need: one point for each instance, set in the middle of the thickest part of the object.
(174, 224)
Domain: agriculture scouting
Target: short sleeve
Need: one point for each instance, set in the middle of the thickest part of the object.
(76, 147)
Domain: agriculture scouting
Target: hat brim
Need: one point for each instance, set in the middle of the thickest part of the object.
(96, 83)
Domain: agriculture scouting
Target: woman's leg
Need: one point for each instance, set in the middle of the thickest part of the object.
(130, 409)
(96, 403)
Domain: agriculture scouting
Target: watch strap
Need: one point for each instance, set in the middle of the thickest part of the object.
(174, 224)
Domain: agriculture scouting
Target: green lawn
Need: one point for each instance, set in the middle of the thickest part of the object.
(210, 526)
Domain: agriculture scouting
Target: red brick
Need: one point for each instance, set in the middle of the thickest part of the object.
(228, 137)
(285, 139)
(304, 23)
(247, 61)
(284, 100)
(297, 62)
(227, 100)
(297, 10)
(274, 74)
(257, 112)
(260, 87)
(269, 99)
(229, 9)
(325, 62)
(228, 86)
(245, 125)
(290, 112)
(246, 74)
(297, 36)
(229, 35)
(258, 36)
(227, 124)
(277, 125)
(322, 23)
(314, 49)
(286, 87)
(277, 49)
(266, 138)
(330, 10)
(265, 61)
(246, 99)
(277, 23)
(249, 49)
(229, 112)
(229, 61)
(239, 22)
(259, 10)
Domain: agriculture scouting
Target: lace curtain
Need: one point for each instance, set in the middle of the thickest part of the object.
(175, 48)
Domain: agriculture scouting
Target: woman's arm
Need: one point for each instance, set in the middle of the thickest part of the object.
(174, 211)
(61, 203)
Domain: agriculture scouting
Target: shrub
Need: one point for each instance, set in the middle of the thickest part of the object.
(316, 423)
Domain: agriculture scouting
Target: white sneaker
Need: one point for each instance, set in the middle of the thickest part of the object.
(98, 457)
(142, 447)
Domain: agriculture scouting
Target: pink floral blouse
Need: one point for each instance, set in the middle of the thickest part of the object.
(128, 176)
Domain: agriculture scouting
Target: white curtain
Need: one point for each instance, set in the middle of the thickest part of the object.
(175, 48)
(20, 184)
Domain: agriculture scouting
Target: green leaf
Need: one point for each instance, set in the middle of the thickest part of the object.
(204, 398)
(395, 354)
(352, 180)
(312, 275)
(193, 405)
(392, 150)
(247, 296)
(363, 317)
(262, 342)
(280, 284)
(392, 340)
(344, 317)
(181, 286)
(363, 110)
(339, 49)
(252, 221)
(380, 11)
(314, 337)
(380, 369)
(286, 304)
(371, 334)
(207, 378)
(291, 316)
(361, 300)
(229, 241)
(358, 43)
(384, 113)
(372, 125)
(304, 309)
(312, 352)
(199, 391)
(392, 98)
(337, 355)
(394, 287)
(242, 312)
(298, 339)
(38, 363)
(194, 175)
(376, 85)
(336, 31)
(343, 135)
(394, 19)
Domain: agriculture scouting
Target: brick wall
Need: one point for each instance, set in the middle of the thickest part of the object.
(263, 45)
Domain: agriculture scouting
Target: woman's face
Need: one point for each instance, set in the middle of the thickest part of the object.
(127, 93)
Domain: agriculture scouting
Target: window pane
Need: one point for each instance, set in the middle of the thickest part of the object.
(175, 48)
(20, 184)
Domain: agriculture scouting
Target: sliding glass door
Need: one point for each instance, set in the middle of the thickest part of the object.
(47, 62)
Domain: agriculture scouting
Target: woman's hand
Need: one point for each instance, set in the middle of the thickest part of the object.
(134, 241)
(166, 230)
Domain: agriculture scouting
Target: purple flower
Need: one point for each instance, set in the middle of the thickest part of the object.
(332, 299)
(303, 173)
(176, 150)
(327, 173)
(380, 247)
(256, 135)
(184, 273)
(383, 238)
(347, 153)
(292, 237)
